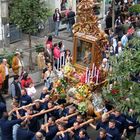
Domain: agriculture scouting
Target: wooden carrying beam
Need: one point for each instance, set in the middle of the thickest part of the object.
(71, 115)
(29, 105)
(43, 112)
(67, 117)
(81, 125)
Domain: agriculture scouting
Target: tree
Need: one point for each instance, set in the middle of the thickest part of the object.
(125, 90)
(27, 14)
(135, 8)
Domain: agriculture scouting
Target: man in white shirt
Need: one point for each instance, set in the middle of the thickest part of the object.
(114, 42)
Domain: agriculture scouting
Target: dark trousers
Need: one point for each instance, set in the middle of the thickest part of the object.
(131, 135)
(5, 85)
(1, 97)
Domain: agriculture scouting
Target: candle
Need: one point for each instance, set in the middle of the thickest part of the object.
(86, 75)
(89, 76)
(92, 73)
(97, 77)
(95, 72)
(63, 58)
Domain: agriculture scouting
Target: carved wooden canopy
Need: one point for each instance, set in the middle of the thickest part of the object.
(87, 22)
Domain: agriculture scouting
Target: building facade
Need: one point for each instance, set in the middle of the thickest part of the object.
(4, 26)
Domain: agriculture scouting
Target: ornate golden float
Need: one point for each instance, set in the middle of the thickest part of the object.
(89, 41)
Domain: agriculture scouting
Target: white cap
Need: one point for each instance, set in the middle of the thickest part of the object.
(4, 59)
(105, 60)
(17, 53)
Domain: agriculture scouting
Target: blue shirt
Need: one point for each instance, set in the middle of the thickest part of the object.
(71, 121)
(33, 124)
(85, 138)
(120, 122)
(25, 100)
(42, 96)
(113, 133)
(102, 125)
(2, 109)
(24, 134)
(66, 137)
(132, 121)
(124, 40)
(6, 128)
(106, 138)
(52, 132)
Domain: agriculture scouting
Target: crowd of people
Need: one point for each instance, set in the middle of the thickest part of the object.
(69, 19)
(126, 23)
(47, 118)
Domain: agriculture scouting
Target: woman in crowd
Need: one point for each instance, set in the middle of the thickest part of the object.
(57, 19)
(49, 41)
(68, 56)
(26, 80)
(56, 54)
(49, 76)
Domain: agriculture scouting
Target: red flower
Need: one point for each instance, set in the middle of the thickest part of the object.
(114, 91)
(82, 78)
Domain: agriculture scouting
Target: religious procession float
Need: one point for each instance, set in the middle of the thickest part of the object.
(82, 80)
(79, 83)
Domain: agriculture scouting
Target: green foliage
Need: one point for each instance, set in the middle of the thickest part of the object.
(125, 92)
(27, 14)
(6, 55)
(135, 8)
(82, 107)
(39, 48)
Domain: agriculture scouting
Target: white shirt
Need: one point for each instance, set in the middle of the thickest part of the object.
(58, 17)
(6, 71)
(119, 50)
(114, 44)
(31, 91)
(19, 63)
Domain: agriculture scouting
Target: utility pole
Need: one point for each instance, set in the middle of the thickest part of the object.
(113, 14)
(4, 25)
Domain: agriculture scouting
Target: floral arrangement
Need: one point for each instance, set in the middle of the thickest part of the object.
(68, 69)
(82, 107)
(60, 87)
(82, 92)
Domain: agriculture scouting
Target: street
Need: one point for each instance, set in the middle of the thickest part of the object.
(68, 45)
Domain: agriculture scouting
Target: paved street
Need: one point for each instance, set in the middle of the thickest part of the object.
(68, 44)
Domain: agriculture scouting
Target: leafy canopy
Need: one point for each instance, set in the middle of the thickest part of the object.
(125, 92)
(27, 14)
(135, 8)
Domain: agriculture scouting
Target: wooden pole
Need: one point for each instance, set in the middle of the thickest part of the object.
(71, 115)
(67, 117)
(43, 112)
(81, 125)
(29, 105)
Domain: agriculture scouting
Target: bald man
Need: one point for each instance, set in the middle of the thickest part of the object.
(38, 136)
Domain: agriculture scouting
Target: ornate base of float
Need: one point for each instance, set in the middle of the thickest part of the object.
(89, 42)
(73, 88)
